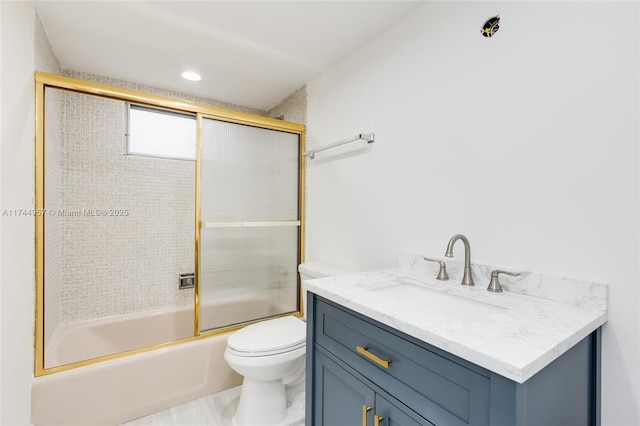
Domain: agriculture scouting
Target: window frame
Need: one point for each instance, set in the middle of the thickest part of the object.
(131, 105)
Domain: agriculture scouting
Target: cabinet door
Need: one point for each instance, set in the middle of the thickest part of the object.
(339, 398)
(389, 414)
(447, 391)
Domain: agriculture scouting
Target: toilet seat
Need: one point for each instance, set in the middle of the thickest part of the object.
(269, 337)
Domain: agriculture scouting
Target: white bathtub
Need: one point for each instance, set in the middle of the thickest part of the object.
(92, 339)
(116, 391)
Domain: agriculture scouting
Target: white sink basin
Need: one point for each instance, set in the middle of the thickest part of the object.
(422, 298)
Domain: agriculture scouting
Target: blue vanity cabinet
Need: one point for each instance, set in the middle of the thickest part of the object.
(347, 400)
(362, 372)
(341, 398)
(390, 414)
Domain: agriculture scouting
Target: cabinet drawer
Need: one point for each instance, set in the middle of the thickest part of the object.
(436, 387)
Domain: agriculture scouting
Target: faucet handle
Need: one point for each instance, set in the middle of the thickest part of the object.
(442, 273)
(494, 284)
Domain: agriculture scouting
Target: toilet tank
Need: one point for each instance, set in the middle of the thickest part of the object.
(312, 270)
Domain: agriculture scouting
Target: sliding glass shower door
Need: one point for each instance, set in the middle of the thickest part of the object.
(249, 223)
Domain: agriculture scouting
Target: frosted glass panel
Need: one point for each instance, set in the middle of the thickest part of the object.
(247, 274)
(249, 175)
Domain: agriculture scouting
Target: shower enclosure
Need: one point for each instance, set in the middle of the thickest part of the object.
(115, 229)
(250, 223)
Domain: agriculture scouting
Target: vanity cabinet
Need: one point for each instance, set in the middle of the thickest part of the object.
(362, 372)
(345, 399)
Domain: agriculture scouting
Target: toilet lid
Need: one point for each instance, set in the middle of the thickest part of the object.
(274, 335)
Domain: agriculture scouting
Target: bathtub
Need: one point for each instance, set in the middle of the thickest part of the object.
(123, 389)
(92, 339)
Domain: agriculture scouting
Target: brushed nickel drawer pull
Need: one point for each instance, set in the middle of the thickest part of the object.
(365, 410)
(363, 350)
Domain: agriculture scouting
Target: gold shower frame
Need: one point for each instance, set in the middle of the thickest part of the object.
(44, 80)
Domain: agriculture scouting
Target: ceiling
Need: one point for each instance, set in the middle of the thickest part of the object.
(250, 53)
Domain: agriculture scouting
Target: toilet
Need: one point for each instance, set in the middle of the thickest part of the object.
(271, 357)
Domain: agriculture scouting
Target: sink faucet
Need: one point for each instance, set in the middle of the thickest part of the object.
(467, 279)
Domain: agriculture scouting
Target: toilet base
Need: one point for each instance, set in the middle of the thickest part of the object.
(265, 404)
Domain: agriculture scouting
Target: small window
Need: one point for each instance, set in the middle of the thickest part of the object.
(160, 133)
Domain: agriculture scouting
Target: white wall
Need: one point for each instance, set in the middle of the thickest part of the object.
(527, 143)
(16, 192)
(1, 116)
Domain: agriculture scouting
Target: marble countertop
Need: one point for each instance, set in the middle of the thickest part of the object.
(510, 333)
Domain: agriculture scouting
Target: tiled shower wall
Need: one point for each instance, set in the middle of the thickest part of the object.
(134, 233)
(293, 108)
(53, 224)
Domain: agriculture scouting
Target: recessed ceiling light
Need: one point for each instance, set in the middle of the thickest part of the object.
(190, 75)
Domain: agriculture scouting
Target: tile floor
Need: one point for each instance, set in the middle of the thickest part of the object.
(212, 410)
